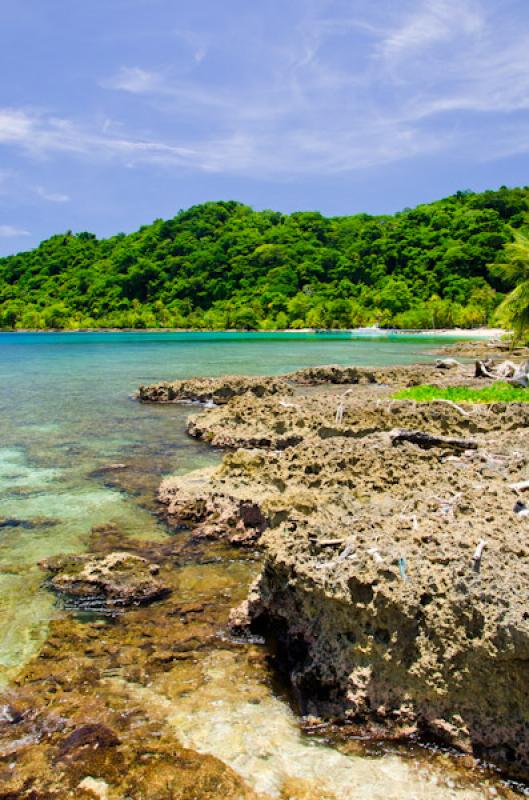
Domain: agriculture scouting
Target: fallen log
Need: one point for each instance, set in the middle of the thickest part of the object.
(427, 440)
(521, 376)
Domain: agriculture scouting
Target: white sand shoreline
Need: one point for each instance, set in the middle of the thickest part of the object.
(463, 333)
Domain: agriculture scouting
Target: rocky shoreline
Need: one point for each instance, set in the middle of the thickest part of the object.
(395, 546)
(376, 545)
(74, 723)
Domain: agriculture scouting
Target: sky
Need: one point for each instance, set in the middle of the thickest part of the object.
(117, 112)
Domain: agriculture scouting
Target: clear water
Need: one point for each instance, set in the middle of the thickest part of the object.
(65, 410)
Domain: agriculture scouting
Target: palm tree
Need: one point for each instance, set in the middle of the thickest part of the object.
(514, 310)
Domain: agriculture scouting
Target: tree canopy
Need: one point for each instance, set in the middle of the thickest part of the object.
(224, 265)
(514, 309)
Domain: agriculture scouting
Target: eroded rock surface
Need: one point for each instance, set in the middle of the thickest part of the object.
(116, 579)
(485, 348)
(395, 575)
(211, 390)
(335, 374)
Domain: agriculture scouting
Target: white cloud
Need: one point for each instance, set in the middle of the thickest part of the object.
(432, 22)
(250, 149)
(14, 125)
(334, 92)
(134, 80)
(51, 197)
(12, 232)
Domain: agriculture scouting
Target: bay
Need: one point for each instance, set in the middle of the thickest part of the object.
(67, 410)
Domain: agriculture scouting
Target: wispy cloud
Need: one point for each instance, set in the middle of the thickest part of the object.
(197, 43)
(14, 125)
(247, 150)
(12, 232)
(51, 197)
(432, 22)
(335, 91)
(135, 80)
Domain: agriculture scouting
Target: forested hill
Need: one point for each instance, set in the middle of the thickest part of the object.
(223, 265)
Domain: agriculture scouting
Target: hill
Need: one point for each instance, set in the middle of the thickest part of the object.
(224, 265)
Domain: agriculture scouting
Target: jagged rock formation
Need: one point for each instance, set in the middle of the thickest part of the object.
(210, 390)
(395, 575)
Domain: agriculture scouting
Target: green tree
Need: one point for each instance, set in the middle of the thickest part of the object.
(514, 310)
(221, 264)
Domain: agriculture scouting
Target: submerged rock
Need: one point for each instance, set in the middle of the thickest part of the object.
(91, 735)
(74, 723)
(106, 468)
(118, 579)
(28, 524)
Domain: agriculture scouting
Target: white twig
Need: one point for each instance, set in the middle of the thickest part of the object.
(453, 405)
(341, 407)
(479, 550)
(373, 551)
(348, 549)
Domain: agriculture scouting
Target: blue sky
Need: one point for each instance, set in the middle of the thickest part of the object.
(115, 112)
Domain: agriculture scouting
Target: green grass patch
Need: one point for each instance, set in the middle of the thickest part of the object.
(498, 393)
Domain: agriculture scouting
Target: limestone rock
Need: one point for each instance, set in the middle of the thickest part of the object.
(118, 579)
(215, 391)
(381, 613)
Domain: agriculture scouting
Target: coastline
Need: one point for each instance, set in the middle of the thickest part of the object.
(468, 333)
(393, 647)
(383, 619)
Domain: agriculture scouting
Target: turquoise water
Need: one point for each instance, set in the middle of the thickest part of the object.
(66, 409)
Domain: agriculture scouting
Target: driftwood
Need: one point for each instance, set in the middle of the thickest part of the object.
(521, 376)
(341, 407)
(427, 440)
(522, 486)
(516, 374)
(452, 405)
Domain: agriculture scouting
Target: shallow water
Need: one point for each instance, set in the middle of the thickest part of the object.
(237, 718)
(65, 411)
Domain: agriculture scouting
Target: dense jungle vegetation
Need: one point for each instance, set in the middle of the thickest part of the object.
(223, 265)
